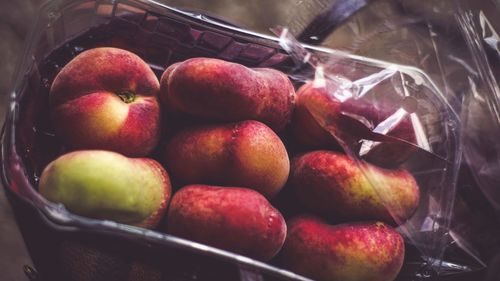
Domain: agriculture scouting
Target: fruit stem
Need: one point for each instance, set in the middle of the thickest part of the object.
(126, 96)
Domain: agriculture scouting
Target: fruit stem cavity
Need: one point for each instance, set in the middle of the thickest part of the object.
(126, 96)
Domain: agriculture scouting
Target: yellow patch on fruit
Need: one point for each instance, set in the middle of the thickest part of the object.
(106, 118)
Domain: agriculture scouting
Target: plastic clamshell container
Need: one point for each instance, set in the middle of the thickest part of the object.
(161, 35)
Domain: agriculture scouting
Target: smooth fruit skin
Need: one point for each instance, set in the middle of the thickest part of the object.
(235, 219)
(247, 154)
(334, 185)
(107, 185)
(107, 98)
(365, 251)
(224, 91)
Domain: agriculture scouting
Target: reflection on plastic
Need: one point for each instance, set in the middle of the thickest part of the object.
(374, 124)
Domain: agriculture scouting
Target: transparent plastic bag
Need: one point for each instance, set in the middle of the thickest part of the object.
(456, 44)
(413, 128)
(381, 99)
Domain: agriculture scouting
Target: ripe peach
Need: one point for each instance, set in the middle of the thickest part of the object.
(347, 252)
(306, 130)
(334, 185)
(247, 154)
(226, 91)
(235, 219)
(320, 115)
(106, 98)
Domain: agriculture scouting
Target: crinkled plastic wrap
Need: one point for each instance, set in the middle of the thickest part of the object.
(431, 110)
(393, 117)
(456, 44)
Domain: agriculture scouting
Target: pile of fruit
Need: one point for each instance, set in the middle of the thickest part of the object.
(200, 154)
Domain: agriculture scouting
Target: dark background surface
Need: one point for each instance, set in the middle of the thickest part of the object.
(16, 18)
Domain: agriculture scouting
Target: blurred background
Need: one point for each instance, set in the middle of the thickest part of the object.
(16, 18)
(426, 34)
